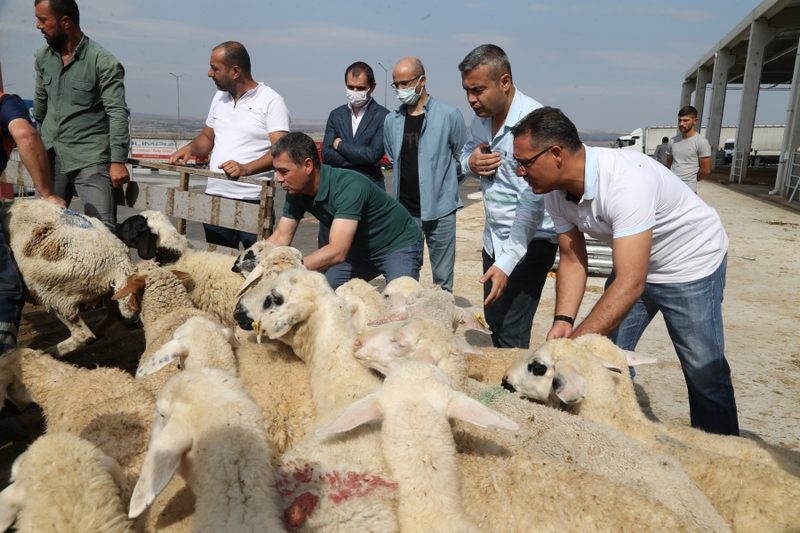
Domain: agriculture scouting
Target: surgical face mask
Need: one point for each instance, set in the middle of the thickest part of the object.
(409, 95)
(357, 98)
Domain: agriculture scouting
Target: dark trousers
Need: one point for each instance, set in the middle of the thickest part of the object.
(12, 295)
(510, 317)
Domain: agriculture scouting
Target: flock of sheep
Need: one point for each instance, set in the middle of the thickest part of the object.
(265, 391)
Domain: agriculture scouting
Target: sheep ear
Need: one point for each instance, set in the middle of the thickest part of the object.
(471, 319)
(251, 279)
(466, 348)
(286, 317)
(571, 385)
(181, 275)
(169, 352)
(134, 285)
(11, 501)
(611, 367)
(114, 470)
(357, 413)
(397, 316)
(160, 464)
(469, 410)
(635, 359)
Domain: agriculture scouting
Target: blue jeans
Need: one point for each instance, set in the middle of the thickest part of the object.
(440, 235)
(693, 314)
(403, 262)
(12, 296)
(510, 317)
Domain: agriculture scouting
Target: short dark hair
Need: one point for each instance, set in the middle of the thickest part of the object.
(490, 55)
(298, 146)
(358, 68)
(688, 111)
(63, 8)
(235, 55)
(549, 126)
(664, 139)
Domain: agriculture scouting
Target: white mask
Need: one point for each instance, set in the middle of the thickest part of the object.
(409, 95)
(357, 98)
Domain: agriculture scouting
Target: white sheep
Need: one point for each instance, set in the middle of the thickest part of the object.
(344, 483)
(272, 375)
(415, 402)
(63, 482)
(301, 310)
(208, 428)
(750, 495)
(365, 302)
(68, 261)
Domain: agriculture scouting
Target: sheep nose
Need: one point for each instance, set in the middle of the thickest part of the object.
(508, 386)
(241, 318)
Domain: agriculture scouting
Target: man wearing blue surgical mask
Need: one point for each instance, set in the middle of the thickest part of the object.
(423, 139)
(354, 132)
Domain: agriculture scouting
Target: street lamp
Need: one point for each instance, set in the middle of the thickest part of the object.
(385, 81)
(180, 126)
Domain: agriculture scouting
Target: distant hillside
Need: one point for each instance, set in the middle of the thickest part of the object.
(168, 127)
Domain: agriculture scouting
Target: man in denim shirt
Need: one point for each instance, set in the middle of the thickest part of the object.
(423, 139)
(80, 103)
(518, 239)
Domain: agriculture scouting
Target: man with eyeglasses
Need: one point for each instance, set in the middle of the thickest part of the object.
(423, 139)
(669, 251)
(518, 239)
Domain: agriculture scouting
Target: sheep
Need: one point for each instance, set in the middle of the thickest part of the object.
(213, 283)
(301, 310)
(415, 401)
(366, 303)
(64, 482)
(344, 483)
(206, 426)
(750, 495)
(418, 446)
(272, 375)
(68, 261)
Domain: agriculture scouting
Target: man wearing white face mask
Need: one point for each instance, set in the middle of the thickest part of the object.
(354, 132)
(423, 139)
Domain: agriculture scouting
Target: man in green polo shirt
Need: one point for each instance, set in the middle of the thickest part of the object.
(371, 234)
(80, 103)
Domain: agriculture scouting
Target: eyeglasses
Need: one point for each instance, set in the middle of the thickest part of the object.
(403, 84)
(525, 163)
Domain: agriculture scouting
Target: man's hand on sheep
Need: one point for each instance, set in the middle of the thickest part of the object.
(53, 199)
(119, 174)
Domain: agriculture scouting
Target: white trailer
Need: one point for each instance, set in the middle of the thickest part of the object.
(766, 144)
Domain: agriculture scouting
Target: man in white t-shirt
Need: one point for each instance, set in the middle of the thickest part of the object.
(245, 119)
(689, 154)
(669, 253)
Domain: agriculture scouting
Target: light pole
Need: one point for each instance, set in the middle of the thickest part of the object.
(385, 81)
(180, 126)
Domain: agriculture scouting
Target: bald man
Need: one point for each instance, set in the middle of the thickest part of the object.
(423, 138)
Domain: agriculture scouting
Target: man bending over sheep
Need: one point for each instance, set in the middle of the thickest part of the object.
(370, 232)
(16, 129)
(669, 252)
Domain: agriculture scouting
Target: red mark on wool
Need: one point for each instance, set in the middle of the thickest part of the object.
(300, 509)
(353, 484)
(337, 486)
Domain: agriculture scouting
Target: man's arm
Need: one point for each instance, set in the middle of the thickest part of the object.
(570, 280)
(34, 157)
(705, 168)
(284, 232)
(631, 256)
(200, 146)
(458, 138)
(669, 160)
(110, 77)
(364, 154)
(341, 238)
(234, 169)
(329, 154)
(39, 94)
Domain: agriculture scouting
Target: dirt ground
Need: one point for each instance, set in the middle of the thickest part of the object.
(760, 310)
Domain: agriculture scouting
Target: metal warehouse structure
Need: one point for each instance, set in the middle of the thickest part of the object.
(761, 50)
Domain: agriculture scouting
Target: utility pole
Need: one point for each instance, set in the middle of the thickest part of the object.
(180, 126)
(385, 81)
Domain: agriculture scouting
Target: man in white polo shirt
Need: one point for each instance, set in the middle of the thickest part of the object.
(669, 253)
(245, 119)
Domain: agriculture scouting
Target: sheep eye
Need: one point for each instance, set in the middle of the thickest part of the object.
(277, 298)
(267, 302)
(536, 368)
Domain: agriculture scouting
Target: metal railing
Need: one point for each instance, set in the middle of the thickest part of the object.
(182, 203)
(793, 183)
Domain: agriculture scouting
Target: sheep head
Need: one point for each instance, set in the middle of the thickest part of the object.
(153, 236)
(383, 347)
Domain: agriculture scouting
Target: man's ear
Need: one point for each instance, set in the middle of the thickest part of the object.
(505, 82)
(308, 166)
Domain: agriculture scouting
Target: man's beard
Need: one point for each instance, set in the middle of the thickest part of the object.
(57, 41)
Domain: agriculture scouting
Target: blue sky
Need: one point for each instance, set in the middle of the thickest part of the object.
(612, 66)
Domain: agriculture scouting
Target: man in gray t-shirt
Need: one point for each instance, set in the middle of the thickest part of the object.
(689, 154)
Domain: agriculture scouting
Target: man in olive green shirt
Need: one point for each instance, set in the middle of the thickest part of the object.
(370, 232)
(80, 103)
